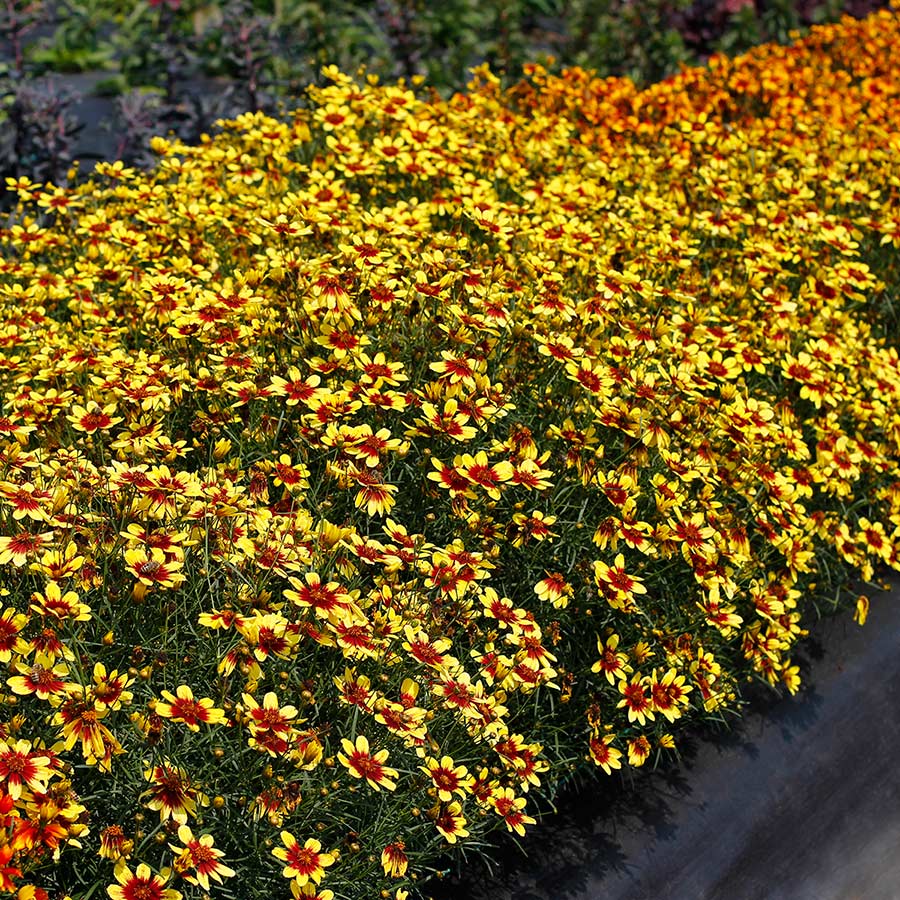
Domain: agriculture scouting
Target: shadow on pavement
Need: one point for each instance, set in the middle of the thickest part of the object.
(801, 801)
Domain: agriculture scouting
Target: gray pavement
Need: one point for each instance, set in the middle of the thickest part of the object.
(801, 802)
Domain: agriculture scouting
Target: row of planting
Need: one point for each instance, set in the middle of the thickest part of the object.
(364, 475)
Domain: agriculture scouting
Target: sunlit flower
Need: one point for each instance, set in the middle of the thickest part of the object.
(447, 777)
(21, 767)
(93, 417)
(11, 625)
(141, 884)
(303, 863)
(43, 678)
(362, 763)
(182, 707)
(172, 793)
(198, 860)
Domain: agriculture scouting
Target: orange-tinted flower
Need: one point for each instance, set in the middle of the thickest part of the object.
(8, 873)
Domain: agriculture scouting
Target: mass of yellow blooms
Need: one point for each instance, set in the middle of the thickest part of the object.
(366, 473)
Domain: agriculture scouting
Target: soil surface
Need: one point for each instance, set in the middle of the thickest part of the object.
(800, 802)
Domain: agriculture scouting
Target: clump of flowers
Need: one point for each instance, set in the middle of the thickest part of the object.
(364, 474)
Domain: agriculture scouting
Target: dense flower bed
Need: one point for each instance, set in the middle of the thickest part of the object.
(364, 475)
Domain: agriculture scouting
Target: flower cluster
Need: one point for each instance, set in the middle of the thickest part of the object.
(363, 474)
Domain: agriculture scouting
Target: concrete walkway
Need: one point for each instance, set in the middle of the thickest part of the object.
(802, 802)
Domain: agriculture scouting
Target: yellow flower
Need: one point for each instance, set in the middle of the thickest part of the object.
(182, 707)
(360, 762)
(303, 863)
(140, 883)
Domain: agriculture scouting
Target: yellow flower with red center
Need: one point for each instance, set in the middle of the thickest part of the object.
(450, 421)
(554, 589)
(182, 707)
(270, 725)
(172, 793)
(447, 777)
(43, 678)
(93, 417)
(669, 693)
(450, 822)
(638, 750)
(21, 767)
(511, 809)
(616, 585)
(114, 844)
(394, 860)
(452, 480)
(612, 663)
(152, 569)
(488, 476)
(27, 500)
(306, 863)
(59, 564)
(326, 599)
(79, 715)
(110, 689)
(141, 884)
(360, 762)
(636, 699)
(603, 753)
(17, 548)
(199, 855)
(53, 603)
(374, 495)
(11, 625)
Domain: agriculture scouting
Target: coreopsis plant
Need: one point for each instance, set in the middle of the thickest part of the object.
(367, 473)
